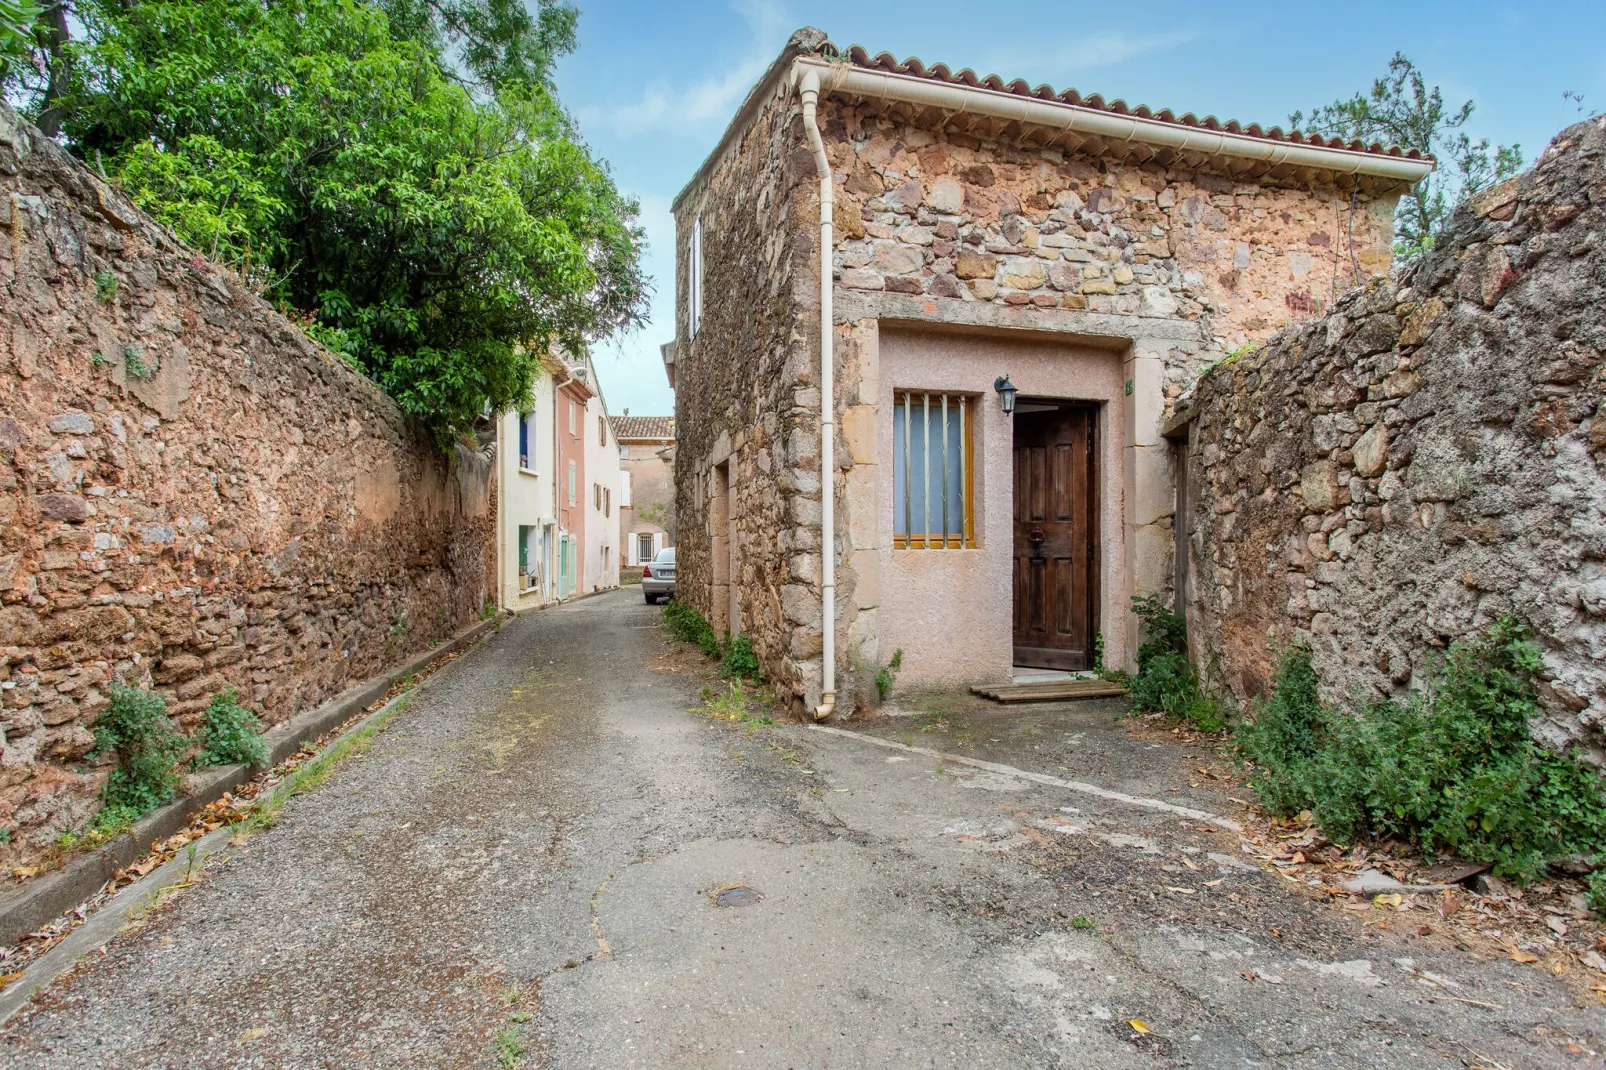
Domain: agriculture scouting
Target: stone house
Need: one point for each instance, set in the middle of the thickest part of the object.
(646, 485)
(1019, 284)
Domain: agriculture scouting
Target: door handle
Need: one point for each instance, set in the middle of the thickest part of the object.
(1035, 536)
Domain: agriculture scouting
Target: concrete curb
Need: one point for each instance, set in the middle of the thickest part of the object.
(40, 901)
(104, 925)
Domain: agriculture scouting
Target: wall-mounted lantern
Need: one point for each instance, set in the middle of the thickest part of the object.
(1006, 393)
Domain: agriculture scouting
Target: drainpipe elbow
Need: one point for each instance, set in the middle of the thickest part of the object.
(827, 706)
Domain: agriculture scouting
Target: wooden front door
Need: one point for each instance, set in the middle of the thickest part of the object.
(1056, 536)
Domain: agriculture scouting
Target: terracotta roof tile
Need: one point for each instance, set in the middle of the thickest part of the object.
(635, 427)
(886, 61)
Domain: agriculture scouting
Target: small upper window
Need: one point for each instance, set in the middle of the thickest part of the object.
(602, 431)
(694, 273)
(571, 418)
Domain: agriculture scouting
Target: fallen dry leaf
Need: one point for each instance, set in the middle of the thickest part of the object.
(1138, 1025)
(1519, 955)
(1190, 865)
(1214, 883)
(7, 978)
(1181, 891)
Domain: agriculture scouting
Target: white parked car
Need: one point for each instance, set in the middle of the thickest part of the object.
(658, 576)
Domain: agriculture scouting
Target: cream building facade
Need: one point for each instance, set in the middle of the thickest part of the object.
(558, 481)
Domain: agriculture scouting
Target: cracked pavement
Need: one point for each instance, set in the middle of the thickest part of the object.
(524, 865)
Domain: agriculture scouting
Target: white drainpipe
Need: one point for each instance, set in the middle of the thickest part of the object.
(809, 85)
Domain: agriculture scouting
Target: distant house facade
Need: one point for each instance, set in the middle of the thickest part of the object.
(527, 537)
(1019, 286)
(646, 485)
(556, 487)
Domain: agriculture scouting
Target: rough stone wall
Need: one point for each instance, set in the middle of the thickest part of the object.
(923, 211)
(747, 395)
(1427, 458)
(253, 515)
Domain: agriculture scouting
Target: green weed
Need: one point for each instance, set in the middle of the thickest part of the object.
(134, 362)
(741, 661)
(1453, 769)
(729, 706)
(1083, 922)
(690, 626)
(230, 733)
(509, 1047)
(887, 675)
(1596, 893)
(136, 729)
(1165, 681)
(105, 286)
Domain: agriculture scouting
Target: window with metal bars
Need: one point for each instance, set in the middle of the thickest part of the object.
(932, 471)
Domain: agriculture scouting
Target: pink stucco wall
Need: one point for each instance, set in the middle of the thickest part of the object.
(950, 610)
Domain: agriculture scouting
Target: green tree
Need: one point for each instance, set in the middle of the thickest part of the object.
(495, 43)
(1401, 110)
(16, 31)
(437, 236)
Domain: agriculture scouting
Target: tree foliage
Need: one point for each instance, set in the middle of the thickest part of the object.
(17, 19)
(494, 43)
(412, 191)
(1402, 110)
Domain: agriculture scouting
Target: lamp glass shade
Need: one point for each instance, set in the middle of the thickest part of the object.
(1006, 394)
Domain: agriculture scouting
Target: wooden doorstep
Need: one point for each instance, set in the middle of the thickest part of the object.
(1051, 691)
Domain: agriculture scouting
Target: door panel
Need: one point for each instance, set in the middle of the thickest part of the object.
(1056, 537)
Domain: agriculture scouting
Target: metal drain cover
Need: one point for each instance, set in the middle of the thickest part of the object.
(736, 895)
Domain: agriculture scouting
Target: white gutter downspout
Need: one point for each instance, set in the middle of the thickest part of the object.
(809, 84)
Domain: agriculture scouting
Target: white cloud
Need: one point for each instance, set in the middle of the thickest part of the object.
(711, 102)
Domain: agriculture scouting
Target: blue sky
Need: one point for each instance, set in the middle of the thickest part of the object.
(653, 84)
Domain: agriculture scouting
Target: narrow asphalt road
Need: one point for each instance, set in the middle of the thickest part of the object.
(527, 868)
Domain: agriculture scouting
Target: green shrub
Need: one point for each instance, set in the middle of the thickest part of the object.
(1453, 769)
(1596, 893)
(230, 733)
(135, 728)
(690, 626)
(1165, 681)
(741, 660)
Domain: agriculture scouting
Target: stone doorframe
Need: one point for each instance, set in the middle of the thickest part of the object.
(1148, 348)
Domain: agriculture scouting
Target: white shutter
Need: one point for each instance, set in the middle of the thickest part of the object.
(624, 491)
(630, 549)
(657, 542)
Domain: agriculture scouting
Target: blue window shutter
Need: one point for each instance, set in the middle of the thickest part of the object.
(524, 442)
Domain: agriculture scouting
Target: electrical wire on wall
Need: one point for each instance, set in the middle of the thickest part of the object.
(1355, 192)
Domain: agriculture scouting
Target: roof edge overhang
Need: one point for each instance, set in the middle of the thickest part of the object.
(845, 78)
(849, 80)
